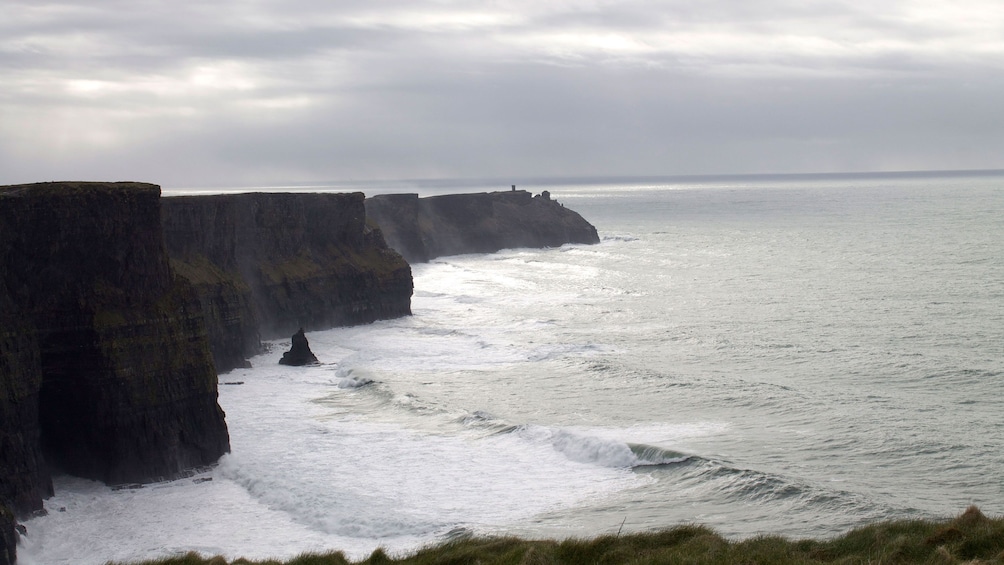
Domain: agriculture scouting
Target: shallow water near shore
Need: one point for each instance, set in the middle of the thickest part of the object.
(784, 355)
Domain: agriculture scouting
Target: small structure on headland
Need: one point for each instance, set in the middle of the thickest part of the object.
(300, 353)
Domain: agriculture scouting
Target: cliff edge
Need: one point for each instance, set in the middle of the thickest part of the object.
(267, 264)
(422, 229)
(105, 369)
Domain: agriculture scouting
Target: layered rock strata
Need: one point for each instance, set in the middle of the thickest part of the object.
(105, 369)
(425, 228)
(266, 264)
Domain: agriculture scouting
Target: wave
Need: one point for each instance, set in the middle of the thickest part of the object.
(690, 470)
(650, 455)
(335, 510)
(345, 379)
(750, 486)
(590, 449)
(603, 449)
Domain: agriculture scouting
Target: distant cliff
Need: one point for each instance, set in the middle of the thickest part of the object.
(105, 370)
(425, 228)
(265, 265)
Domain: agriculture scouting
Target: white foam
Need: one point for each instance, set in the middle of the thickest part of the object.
(308, 476)
(371, 448)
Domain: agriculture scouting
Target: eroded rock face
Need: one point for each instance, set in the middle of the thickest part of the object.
(105, 370)
(266, 264)
(425, 228)
(24, 476)
(8, 537)
(299, 353)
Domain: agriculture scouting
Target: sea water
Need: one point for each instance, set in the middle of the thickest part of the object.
(785, 355)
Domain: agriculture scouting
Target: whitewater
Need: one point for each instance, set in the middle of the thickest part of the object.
(791, 355)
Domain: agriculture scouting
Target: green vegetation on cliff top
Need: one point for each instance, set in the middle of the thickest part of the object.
(968, 538)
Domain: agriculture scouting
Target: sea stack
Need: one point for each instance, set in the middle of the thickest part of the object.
(299, 353)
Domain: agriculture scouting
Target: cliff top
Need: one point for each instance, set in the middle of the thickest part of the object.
(252, 194)
(495, 194)
(63, 188)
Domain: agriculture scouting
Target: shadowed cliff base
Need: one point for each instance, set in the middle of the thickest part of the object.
(105, 370)
(422, 229)
(266, 264)
(968, 538)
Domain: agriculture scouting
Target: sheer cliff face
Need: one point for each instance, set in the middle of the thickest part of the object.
(8, 537)
(24, 476)
(268, 264)
(425, 228)
(107, 370)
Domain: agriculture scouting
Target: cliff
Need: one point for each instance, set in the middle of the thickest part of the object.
(105, 369)
(24, 476)
(265, 265)
(8, 537)
(425, 228)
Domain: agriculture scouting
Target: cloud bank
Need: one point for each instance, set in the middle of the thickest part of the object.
(256, 92)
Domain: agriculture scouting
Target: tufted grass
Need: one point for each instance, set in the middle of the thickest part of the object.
(968, 538)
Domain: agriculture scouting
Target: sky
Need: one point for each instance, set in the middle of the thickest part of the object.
(187, 93)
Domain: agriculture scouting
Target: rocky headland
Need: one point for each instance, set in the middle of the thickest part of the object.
(422, 229)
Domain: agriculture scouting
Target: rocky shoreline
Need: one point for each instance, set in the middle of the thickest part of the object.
(119, 308)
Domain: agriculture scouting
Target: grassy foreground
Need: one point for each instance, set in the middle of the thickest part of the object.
(968, 538)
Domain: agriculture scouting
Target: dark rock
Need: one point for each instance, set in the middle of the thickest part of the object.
(425, 228)
(8, 537)
(299, 353)
(24, 475)
(104, 361)
(267, 264)
(398, 218)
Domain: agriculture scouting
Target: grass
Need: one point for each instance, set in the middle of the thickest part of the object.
(968, 538)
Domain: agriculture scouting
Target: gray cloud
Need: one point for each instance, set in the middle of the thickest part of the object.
(188, 93)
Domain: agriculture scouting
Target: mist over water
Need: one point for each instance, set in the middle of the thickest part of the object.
(793, 355)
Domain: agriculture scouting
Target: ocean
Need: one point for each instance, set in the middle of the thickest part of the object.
(793, 355)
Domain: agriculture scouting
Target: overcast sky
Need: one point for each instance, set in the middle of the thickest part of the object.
(253, 92)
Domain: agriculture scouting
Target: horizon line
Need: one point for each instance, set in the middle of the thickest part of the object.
(555, 180)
